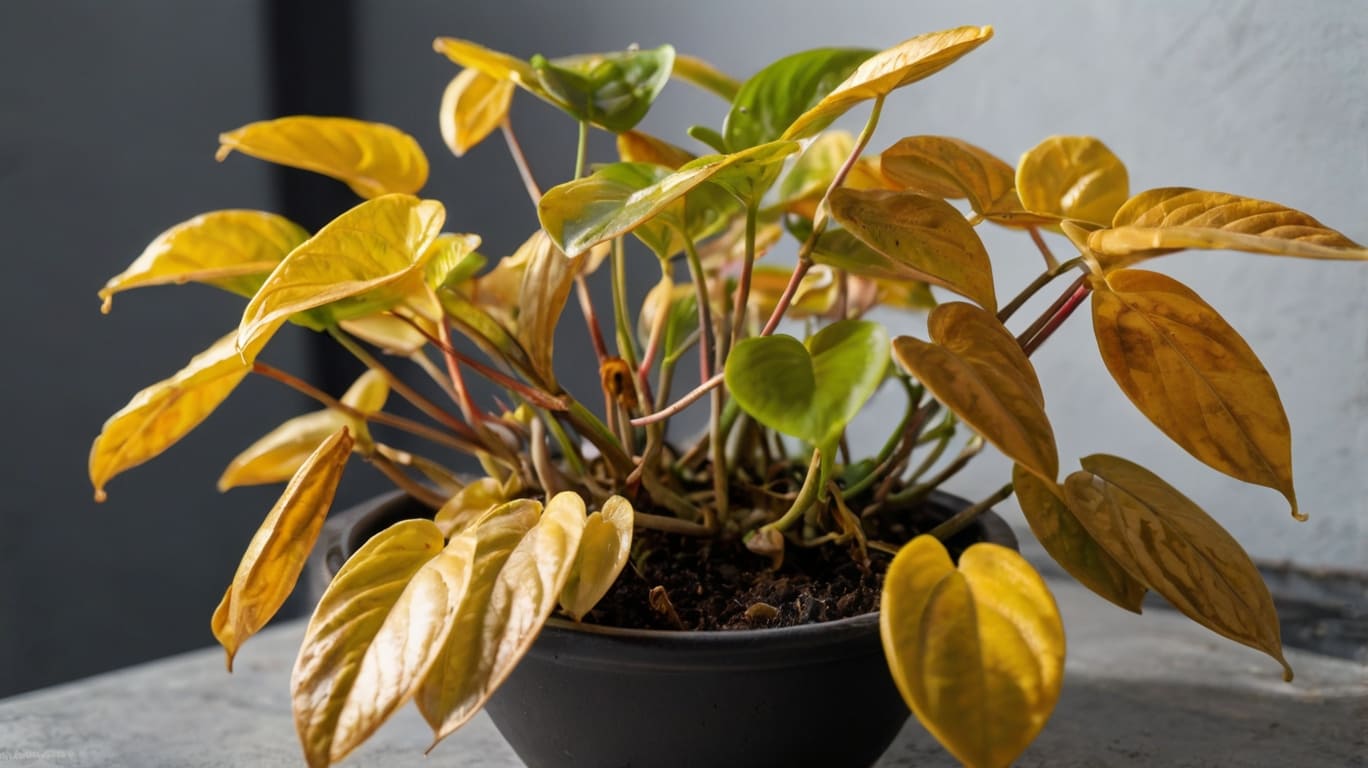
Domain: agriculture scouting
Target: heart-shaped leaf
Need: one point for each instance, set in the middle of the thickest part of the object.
(611, 90)
(521, 565)
(1070, 544)
(1073, 177)
(978, 652)
(277, 553)
(1169, 544)
(923, 238)
(373, 159)
(1159, 221)
(952, 168)
(376, 246)
(473, 106)
(777, 95)
(879, 75)
(603, 551)
(1194, 377)
(233, 250)
(470, 504)
(809, 391)
(976, 369)
(375, 634)
(163, 413)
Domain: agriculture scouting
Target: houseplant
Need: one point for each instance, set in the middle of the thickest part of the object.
(424, 601)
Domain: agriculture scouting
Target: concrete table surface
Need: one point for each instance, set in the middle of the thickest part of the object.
(1152, 690)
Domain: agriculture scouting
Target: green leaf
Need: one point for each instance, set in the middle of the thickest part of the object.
(977, 652)
(232, 250)
(887, 70)
(373, 159)
(610, 90)
(809, 391)
(1194, 377)
(1169, 544)
(1068, 542)
(923, 238)
(452, 259)
(976, 369)
(276, 555)
(775, 96)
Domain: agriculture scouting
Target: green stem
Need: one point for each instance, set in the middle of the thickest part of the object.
(621, 320)
(581, 148)
(964, 517)
(743, 284)
(593, 430)
(898, 437)
(807, 496)
(970, 450)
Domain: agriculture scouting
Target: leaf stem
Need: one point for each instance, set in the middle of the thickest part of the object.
(961, 519)
(524, 170)
(807, 496)
(1050, 262)
(1035, 286)
(398, 385)
(1076, 298)
(621, 319)
(417, 490)
(581, 148)
(743, 284)
(590, 319)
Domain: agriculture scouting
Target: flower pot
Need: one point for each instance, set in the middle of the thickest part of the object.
(585, 695)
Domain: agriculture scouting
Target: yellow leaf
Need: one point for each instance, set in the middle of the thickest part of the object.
(473, 106)
(1070, 544)
(806, 183)
(816, 293)
(692, 69)
(925, 237)
(978, 652)
(885, 71)
(521, 566)
(1159, 221)
(277, 553)
(495, 64)
(638, 147)
(1194, 377)
(951, 168)
(373, 159)
(389, 333)
(367, 255)
(1074, 177)
(1173, 547)
(469, 505)
(547, 279)
(233, 250)
(976, 369)
(603, 551)
(375, 634)
(163, 413)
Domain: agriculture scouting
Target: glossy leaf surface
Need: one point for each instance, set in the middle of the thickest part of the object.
(277, 553)
(1172, 546)
(374, 635)
(638, 147)
(1159, 221)
(769, 102)
(1069, 543)
(495, 64)
(362, 256)
(810, 391)
(473, 106)
(1194, 377)
(923, 238)
(952, 168)
(469, 505)
(977, 652)
(233, 250)
(603, 551)
(611, 90)
(888, 70)
(373, 159)
(522, 562)
(976, 369)
(1074, 177)
(546, 285)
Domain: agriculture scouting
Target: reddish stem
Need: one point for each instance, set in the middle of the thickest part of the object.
(1057, 319)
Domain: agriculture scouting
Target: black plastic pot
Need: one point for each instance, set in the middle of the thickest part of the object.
(811, 695)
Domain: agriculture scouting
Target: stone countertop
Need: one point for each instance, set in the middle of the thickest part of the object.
(1139, 691)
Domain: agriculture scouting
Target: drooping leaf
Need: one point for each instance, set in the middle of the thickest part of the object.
(373, 159)
(603, 551)
(1194, 377)
(611, 90)
(546, 285)
(774, 97)
(160, 415)
(978, 652)
(357, 265)
(469, 505)
(375, 634)
(1159, 221)
(1169, 544)
(277, 553)
(473, 106)
(1069, 543)
(976, 369)
(521, 566)
(495, 64)
(877, 76)
(233, 250)
(810, 391)
(1074, 177)
(805, 184)
(621, 197)
(638, 147)
(923, 238)
(696, 71)
(279, 454)
(952, 168)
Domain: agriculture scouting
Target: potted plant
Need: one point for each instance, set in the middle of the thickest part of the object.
(767, 519)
